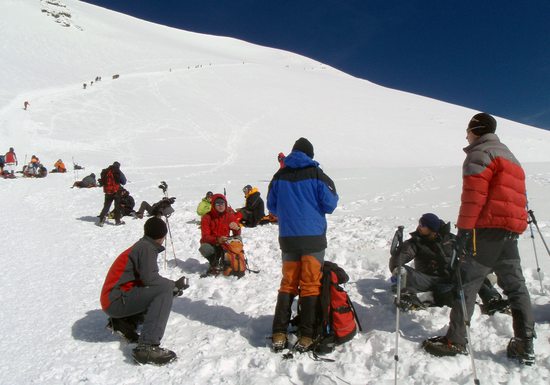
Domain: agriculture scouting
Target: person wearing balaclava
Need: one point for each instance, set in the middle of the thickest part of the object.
(134, 292)
(300, 195)
(491, 218)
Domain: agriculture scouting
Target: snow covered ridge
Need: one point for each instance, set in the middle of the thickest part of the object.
(59, 11)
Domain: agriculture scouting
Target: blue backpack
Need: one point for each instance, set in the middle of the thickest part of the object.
(2, 159)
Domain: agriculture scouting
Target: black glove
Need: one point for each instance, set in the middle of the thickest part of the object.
(463, 242)
(180, 285)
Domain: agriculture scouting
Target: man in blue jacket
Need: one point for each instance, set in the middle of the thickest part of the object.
(300, 194)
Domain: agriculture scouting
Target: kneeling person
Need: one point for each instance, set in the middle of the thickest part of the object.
(134, 289)
(216, 226)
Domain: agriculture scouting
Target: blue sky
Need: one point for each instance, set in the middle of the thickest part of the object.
(491, 56)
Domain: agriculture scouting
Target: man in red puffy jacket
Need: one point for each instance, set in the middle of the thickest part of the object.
(216, 227)
(491, 218)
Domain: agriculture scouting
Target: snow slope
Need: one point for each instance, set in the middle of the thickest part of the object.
(211, 113)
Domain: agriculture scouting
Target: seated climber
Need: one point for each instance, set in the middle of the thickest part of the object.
(431, 248)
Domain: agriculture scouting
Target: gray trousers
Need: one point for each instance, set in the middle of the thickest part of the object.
(211, 253)
(417, 282)
(154, 301)
(502, 257)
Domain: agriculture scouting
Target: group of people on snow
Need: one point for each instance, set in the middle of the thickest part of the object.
(34, 169)
(491, 218)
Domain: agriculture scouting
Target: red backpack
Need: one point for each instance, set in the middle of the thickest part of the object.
(110, 186)
(338, 321)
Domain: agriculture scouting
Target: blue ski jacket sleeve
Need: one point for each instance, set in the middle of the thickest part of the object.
(300, 195)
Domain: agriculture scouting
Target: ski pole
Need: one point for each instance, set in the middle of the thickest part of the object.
(466, 318)
(399, 240)
(171, 240)
(534, 220)
(535, 250)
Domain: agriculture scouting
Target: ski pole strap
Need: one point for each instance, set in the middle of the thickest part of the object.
(355, 314)
(249, 269)
(474, 245)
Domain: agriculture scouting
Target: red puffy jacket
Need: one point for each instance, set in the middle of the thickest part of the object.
(215, 224)
(493, 189)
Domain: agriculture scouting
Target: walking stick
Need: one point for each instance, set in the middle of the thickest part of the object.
(534, 220)
(465, 314)
(534, 247)
(394, 251)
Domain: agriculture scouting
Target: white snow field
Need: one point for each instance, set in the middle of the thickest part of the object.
(211, 113)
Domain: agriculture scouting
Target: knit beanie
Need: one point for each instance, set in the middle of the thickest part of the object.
(305, 146)
(430, 221)
(155, 228)
(482, 123)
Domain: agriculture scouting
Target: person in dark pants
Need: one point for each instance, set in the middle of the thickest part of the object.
(491, 218)
(135, 292)
(300, 194)
(431, 248)
(111, 180)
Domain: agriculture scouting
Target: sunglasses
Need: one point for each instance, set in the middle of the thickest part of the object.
(220, 204)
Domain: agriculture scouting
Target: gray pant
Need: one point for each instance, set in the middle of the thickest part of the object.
(154, 301)
(417, 282)
(502, 257)
(211, 253)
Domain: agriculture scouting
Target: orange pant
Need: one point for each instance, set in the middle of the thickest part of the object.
(302, 274)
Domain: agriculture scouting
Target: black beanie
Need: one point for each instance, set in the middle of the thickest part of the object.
(305, 146)
(482, 123)
(155, 228)
(430, 221)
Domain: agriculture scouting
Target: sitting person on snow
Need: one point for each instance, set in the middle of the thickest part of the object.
(86, 182)
(59, 166)
(205, 204)
(253, 210)
(431, 247)
(216, 227)
(35, 169)
(127, 204)
(162, 207)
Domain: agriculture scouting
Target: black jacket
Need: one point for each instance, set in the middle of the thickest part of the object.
(431, 257)
(254, 209)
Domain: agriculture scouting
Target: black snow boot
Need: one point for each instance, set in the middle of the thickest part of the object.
(442, 346)
(522, 350)
(125, 327)
(409, 302)
(281, 319)
(496, 305)
(309, 315)
(152, 354)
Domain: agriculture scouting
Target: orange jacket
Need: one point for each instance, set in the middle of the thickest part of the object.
(60, 166)
(493, 188)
